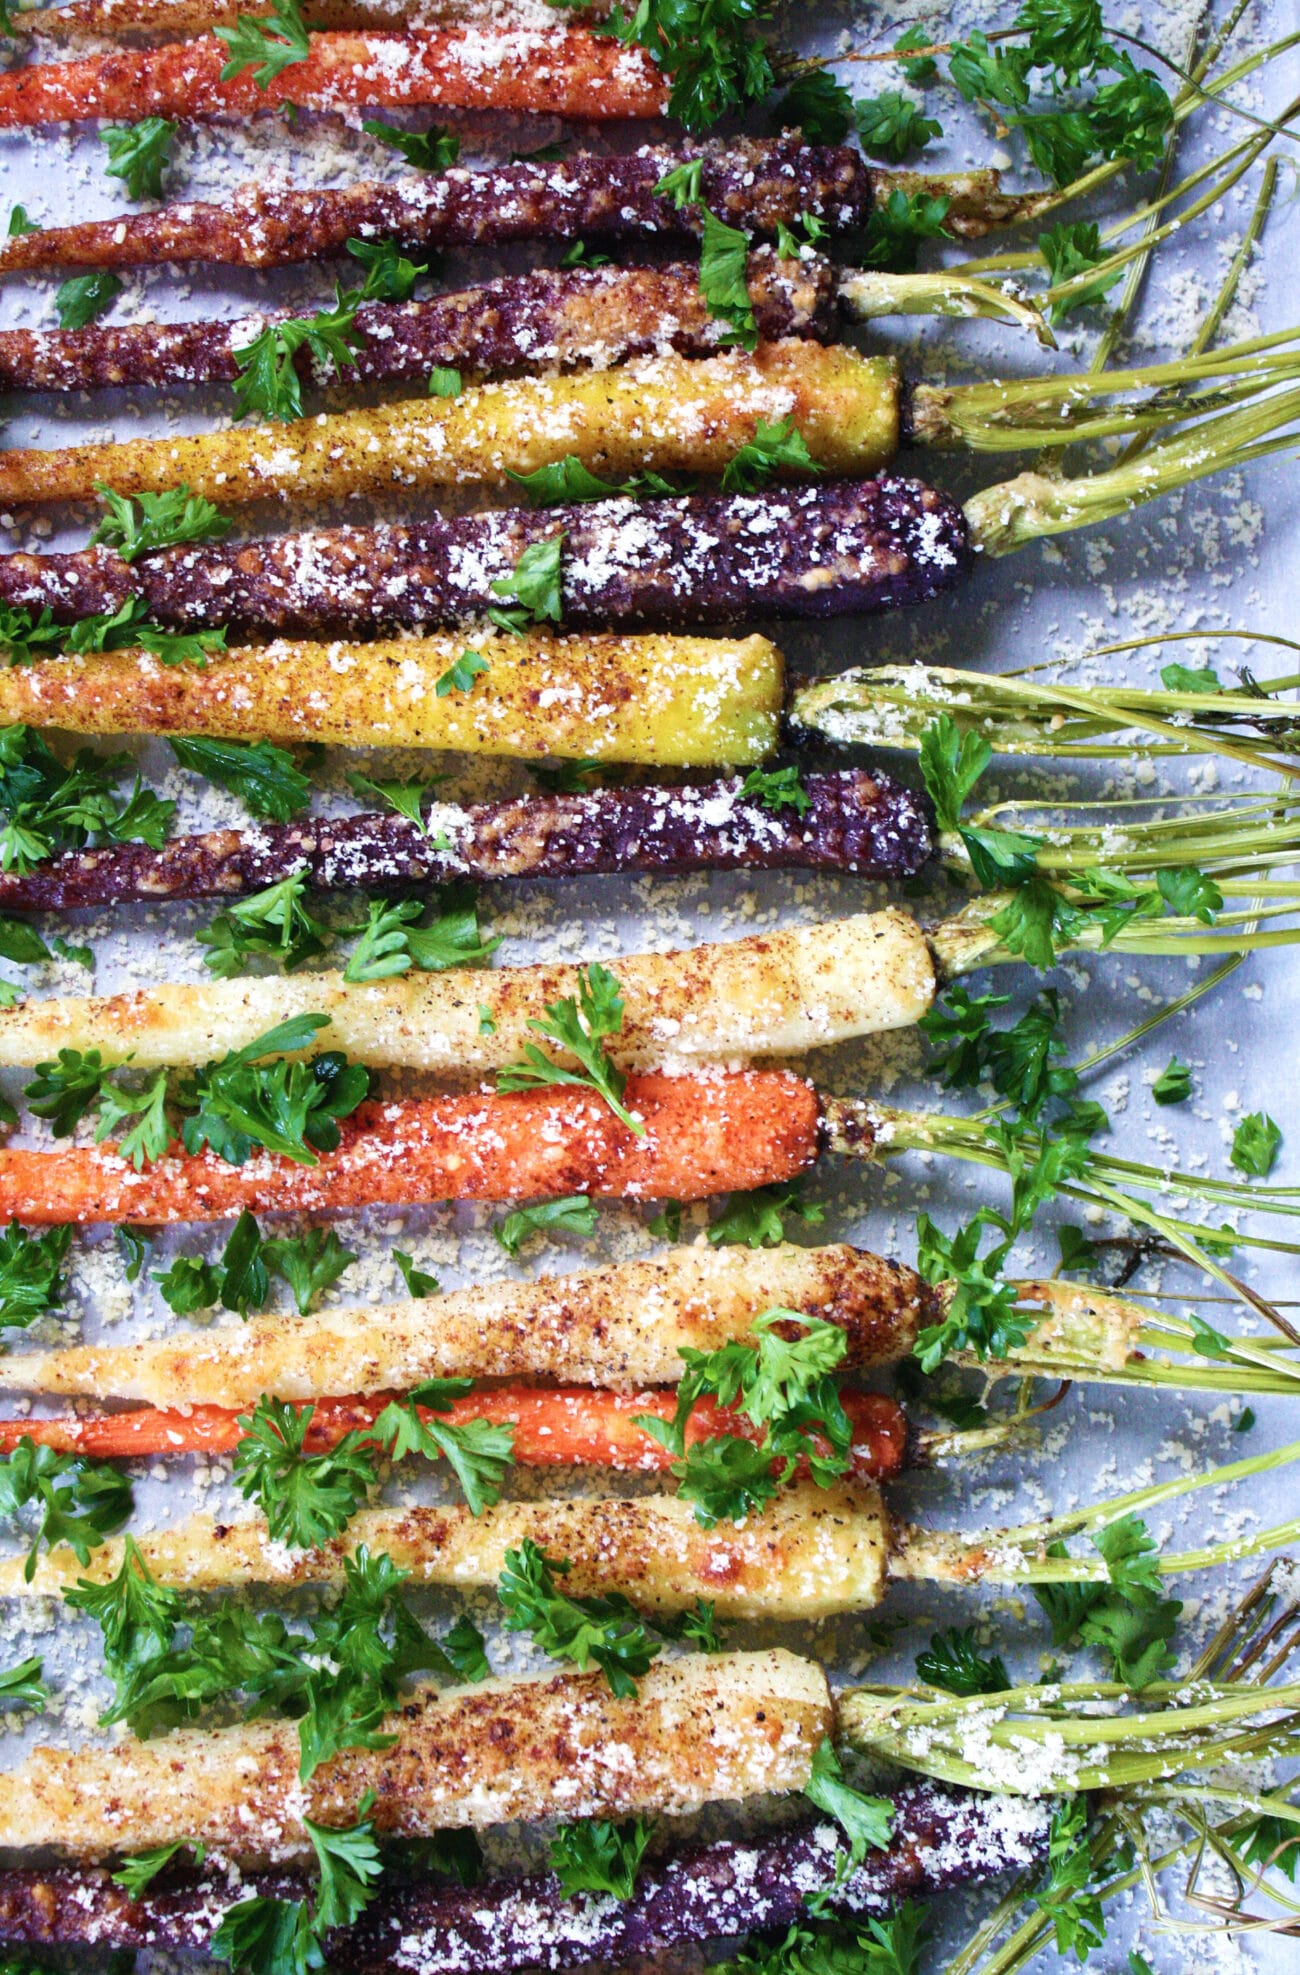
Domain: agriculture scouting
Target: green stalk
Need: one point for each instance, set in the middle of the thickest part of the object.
(1009, 517)
(1007, 414)
(1044, 1741)
(892, 705)
(948, 293)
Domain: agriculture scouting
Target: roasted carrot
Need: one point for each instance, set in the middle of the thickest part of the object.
(703, 1135)
(566, 72)
(566, 1426)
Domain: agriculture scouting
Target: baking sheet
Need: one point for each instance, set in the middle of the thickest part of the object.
(1223, 555)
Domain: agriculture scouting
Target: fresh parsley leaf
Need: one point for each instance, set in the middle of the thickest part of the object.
(757, 1219)
(777, 788)
(289, 1107)
(959, 1027)
(568, 481)
(274, 924)
(79, 956)
(478, 1451)
(533, 589)
(865, 1821)
(1255, 1145)
(981, 1315)
(597, 1856)
(416, 1280)
(134, 1874)
(135, 1248)
(1077, 1252)
(465, 1647)
(1272, 1843)
(22, 1686)
(79, 1502)
(1190, 893)
(434, 149)
(349, 1864)
(684, 184)
(666, 1225)
(777, 446)
(579, 1025)
(393, 939)
(1182, 679)
(1070, 248)
(724, 263)
(138, 155)
(306, 1498)
(64, 1090)
(1174, 1084)
(444, 382)
(894, 231)
(31, 1273)
(1245, 1420)
(79, 300)
(819, 106)
(917, 69)
(266, 46)
(262, 776)
(1066, 1898)
(605, 1632)
(188, 1285)
(19, 223)
(310, 1263)
(711, 51)
(581, 255)
(460, 677)
(150, 1134)
(725, 1478)
(390, 276)
(574, 1215)
(952, 762)
(262, 1936)
(890, 126)
(268, 382)
(954, 1664)
(1126, 1618)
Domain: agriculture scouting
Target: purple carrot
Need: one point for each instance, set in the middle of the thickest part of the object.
(942, 1839)
(854, 546)
(553, 318)
(865, 824)
(756, 184)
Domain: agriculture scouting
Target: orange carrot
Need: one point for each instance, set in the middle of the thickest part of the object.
(703, 1135)
(565, 1427)
(568, 73)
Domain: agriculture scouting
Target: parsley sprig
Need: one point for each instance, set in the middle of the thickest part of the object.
(241, 1281)
(783, 1385)
(76, 1501)
(138, 155)
(579, 1025)
(478, 1451)
(267, 46)
(306, 1498)
(1127, 1618)
(597, 1856)
(251, 1097)
(136, 525)
(606, 1632)
(47, 807)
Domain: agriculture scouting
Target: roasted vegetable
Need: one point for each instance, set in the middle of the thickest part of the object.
(682, 701)
(771, 994)
(665, 414)
(940, 1839)
(568, 72)
(549, 319)
(751, 183)
(105, 19)
(624, 1326)
(702, 1135)
(811, 1553)
(566, 1426)
(857, 545)
(866, 824)
(699, 1728)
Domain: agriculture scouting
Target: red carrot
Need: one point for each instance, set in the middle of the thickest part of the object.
(703, 1135)
(568, 73)
(554, 1427)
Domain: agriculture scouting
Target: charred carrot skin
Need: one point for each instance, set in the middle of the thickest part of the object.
(551, 318)
(752, 183)
(703, 1135)
(567, 72)
(569, 1426)
(852, 547)
(940, 1839)
(868, 825)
